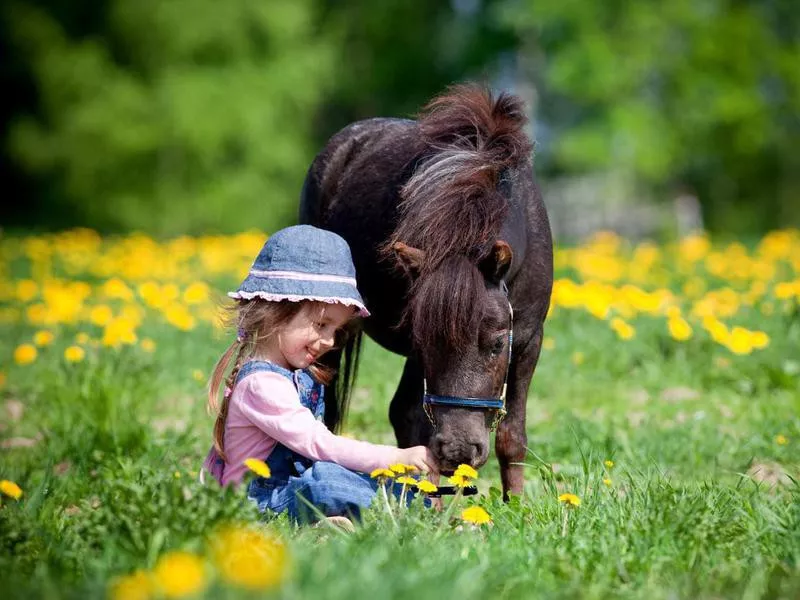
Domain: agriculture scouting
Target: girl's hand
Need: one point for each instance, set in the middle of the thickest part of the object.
(420, 458)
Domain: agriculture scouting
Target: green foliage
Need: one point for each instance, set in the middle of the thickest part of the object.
(701, 95)
(178, 116)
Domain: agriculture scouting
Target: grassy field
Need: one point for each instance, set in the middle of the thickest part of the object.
(667, 399)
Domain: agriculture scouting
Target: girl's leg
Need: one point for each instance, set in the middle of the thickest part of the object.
(333, 491)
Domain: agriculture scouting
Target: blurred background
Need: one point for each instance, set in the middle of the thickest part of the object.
(174, 117)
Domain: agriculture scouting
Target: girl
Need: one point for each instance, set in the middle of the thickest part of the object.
(299, 295)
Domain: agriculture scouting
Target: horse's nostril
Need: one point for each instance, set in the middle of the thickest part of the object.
(478, 454)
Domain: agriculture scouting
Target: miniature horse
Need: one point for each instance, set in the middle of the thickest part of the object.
(453, 250)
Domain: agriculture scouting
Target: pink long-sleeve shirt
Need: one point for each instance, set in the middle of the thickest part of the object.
(264, 410)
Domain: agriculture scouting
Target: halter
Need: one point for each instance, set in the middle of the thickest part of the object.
(496, 404)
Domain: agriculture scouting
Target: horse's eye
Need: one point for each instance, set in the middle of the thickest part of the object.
(497, 347)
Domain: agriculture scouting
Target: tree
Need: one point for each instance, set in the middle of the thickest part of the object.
(178, 116)
(699, 94)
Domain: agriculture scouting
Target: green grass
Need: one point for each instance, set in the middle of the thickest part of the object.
(110, 480)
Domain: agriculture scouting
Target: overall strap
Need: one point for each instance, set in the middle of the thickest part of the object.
(310, 392)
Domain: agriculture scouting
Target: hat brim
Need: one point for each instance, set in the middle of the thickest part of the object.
(276, 290)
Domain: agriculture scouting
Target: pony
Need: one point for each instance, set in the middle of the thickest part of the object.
(454, 258)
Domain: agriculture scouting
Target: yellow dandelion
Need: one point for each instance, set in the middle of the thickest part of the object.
(196, 293)
(10, 489)
(179, 574)
(759, 339)
(399, 468)
(100, 315)
(623, 329)
(82, 338)
(197, 375)
(466, 471)
(425, 486)
(607, 482)
(406, 480)
(380, 473)
(249, 557)
(43, 338)
(781, 440)
(26, 290)
(25, 354)
(569, 499)
(475, 515)
(679, 329)
(74, 354)
(148, 345)
(136, 586)
(459, 481)
(259, 467)
(608, 463)
(740, 341)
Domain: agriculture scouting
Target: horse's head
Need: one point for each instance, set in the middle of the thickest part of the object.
(461, 321)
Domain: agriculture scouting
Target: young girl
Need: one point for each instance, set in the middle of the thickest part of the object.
(299, 295)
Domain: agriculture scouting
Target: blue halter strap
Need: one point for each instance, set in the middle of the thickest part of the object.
(497, 404)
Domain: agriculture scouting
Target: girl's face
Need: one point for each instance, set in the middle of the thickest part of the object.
(311, 333)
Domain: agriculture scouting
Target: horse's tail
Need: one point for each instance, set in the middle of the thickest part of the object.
(451, 204)
(337, 395)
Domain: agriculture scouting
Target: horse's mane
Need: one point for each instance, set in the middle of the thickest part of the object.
(451, 207)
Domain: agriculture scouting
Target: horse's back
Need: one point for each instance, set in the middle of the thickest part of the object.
(364, 154)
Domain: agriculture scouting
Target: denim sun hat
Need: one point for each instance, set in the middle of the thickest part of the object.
(303, 262)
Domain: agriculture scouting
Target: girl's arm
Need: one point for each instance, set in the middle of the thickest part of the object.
(269, 401)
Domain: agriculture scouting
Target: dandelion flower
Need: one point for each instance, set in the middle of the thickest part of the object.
(466, 471)
(197, 375)
(406, 480)
(607, 482)
(43, 338)
(136, 586)
(759, 339)
(101, 315)
(679, 329)
(179, 574)
(740, 341)
(380, 473)
(74, 354)
(459, 481)
(608, 463)
(426, 486)
(10, 489)
(569, 499)
(476, 515)
(249, 557)
(623, 329)
(399, 468)
(25, 354)
(148, 345)
(259, 467)
(781, 440)
(82, 338)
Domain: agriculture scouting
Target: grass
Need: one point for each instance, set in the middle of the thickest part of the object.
(702, 499)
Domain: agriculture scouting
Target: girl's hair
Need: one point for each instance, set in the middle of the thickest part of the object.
(257, 322)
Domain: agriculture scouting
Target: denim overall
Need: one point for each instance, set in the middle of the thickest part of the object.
(297, 482)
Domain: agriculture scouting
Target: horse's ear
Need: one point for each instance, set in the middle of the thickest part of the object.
(495, 266)
(411, 258)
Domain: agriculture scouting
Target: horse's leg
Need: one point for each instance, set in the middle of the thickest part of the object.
(511, 440)
(411, 426)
